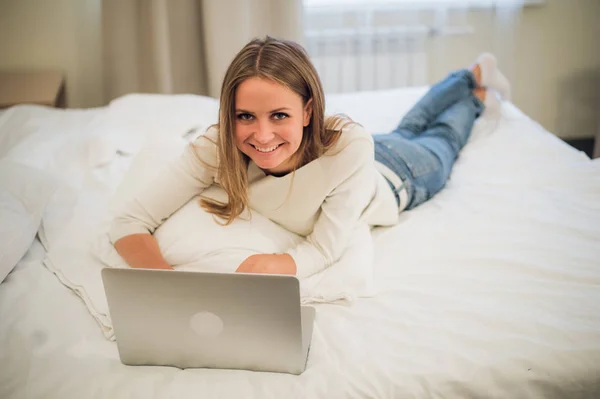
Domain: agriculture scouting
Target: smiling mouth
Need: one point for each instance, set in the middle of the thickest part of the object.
(266, 150)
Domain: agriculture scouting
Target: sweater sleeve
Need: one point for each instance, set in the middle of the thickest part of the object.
(341, 211)
(179, 182)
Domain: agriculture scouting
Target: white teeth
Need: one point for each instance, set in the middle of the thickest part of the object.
(267, 149)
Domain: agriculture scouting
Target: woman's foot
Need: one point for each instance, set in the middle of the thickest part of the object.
(488, 75)
(490, 101)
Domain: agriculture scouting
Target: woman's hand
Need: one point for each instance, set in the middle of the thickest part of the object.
(268, 264)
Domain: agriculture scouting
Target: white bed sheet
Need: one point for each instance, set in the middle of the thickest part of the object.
(491, 289)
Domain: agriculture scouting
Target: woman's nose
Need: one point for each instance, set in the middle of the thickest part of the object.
(264, 133)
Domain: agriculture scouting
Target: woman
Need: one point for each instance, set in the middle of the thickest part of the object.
(273, 151)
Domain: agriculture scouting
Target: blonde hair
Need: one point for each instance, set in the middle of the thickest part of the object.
(286, 63)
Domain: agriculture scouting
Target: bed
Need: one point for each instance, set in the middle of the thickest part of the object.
(490, 289)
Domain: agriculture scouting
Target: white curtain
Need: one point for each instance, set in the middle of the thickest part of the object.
(184, 46)
(377, 44)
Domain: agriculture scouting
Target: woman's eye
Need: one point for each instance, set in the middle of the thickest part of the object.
(244, 117)
(280, 115)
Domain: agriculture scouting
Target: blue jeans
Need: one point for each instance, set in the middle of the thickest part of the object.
(424, 146)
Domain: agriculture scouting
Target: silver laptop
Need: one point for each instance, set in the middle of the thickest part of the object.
(228, 321)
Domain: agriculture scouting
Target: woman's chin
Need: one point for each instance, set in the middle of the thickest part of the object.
(267, 165)
(276, 167)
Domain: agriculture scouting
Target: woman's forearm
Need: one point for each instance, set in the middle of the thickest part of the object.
(141, 251)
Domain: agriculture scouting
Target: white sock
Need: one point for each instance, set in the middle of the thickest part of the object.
(492, 77)
(492, 105)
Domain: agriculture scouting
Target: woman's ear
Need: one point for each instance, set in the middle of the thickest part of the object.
(308, 108)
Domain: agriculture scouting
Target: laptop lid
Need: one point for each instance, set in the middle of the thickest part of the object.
(212, 320)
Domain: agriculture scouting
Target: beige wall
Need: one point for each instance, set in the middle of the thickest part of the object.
(556, 76)
(55, 34)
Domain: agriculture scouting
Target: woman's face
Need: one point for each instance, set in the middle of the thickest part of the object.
(269, 121)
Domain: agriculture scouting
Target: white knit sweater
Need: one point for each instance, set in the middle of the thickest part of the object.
(323, 201)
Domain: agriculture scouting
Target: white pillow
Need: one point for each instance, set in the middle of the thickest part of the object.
(21, 121)
(172, 114)
(191, 240)
(24, 193)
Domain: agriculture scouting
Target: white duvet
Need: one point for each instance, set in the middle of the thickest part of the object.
(491, 289)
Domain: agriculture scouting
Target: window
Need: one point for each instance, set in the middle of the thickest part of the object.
(382, 44)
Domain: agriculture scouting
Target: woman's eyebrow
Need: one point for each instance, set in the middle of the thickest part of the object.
(273, 111)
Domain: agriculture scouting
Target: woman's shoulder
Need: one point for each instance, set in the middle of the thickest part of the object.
(208, 140)
(204, 147)
(354, 146)
(208, 137)
(351, 132)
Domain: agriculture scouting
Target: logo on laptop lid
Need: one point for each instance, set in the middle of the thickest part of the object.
(206, 324)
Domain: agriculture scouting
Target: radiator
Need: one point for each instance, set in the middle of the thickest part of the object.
(369, 59)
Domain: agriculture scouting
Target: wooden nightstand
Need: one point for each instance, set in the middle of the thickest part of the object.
(41, 88)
